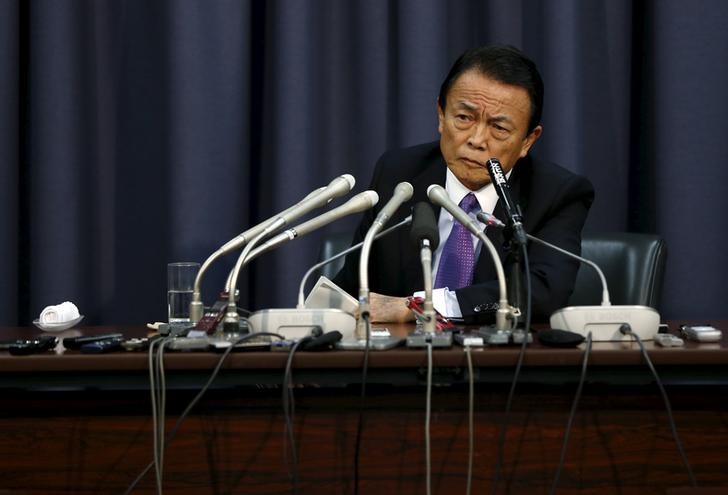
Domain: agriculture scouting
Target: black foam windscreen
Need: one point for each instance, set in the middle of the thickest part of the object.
(322, 342)
(424, 225)
(559, 338)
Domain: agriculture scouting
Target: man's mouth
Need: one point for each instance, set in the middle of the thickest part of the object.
(473, 163)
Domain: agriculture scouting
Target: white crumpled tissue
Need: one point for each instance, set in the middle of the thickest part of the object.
(60, 313)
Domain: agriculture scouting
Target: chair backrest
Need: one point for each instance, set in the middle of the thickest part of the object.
(334, 244)
(633, 264)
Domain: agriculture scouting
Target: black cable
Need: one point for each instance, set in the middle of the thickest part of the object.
(154, 402)
(574, 405)
(161, 409)
(626, 329)
(156, 386)
(428, 415)
(199, 395)
(288, 413)
(362, 398)
(519, 363)
(471, 432)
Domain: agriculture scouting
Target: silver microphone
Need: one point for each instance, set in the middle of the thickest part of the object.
(319, 197)
(242, 239)
(439, 197)
(337, 187)
(426, 237)
(361, 202)
(402, 192)
(282, 320)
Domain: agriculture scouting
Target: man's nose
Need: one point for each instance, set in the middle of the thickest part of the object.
(478, 137)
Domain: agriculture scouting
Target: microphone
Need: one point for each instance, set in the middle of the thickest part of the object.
(402, 192)
(424, 229)
(196, 306)
(425, 235)
(490, 220)
(296, 322)
(498, 179)
(438, 196)
(317, 310)
(605, 320)
(337, 187)
(361, 202)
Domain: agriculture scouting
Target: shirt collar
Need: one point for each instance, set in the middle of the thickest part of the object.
(486, 195)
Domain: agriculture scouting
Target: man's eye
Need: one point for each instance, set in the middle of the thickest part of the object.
(462, 116)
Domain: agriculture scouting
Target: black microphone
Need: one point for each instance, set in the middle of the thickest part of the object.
(424, 226)
(498, 179)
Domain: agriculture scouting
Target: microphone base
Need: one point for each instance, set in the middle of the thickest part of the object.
(492, 335)
(294, 324)
(380, 339)
(420, 338)
(604, 321)
(375, 344)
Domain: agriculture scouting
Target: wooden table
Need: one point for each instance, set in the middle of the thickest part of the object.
(79, 423)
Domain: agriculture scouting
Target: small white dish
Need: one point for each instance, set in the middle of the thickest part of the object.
(57, 327)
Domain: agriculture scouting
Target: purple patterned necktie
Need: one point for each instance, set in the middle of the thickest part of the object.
(458, 257)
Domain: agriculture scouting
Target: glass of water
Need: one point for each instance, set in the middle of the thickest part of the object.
(180, 283)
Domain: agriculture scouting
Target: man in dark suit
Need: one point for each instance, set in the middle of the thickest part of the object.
(489, 106)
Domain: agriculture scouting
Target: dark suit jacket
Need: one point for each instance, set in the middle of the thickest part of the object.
(554, 203)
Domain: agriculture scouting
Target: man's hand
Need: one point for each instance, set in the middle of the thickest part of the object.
(389, 309)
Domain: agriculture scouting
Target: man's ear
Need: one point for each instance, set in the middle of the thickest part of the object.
(440, 117)
(529, 140)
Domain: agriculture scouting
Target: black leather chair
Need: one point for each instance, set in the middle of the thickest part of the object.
(333, 244)
(633, 264)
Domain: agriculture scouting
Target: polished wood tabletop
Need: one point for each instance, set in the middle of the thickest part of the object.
(624, 353)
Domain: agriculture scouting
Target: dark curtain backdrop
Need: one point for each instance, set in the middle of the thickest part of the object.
(134, 133)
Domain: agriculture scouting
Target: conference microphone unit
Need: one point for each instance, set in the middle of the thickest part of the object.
(326, 294)
(297, 322)
(603, 321)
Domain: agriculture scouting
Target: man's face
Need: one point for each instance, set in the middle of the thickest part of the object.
(483, 119)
